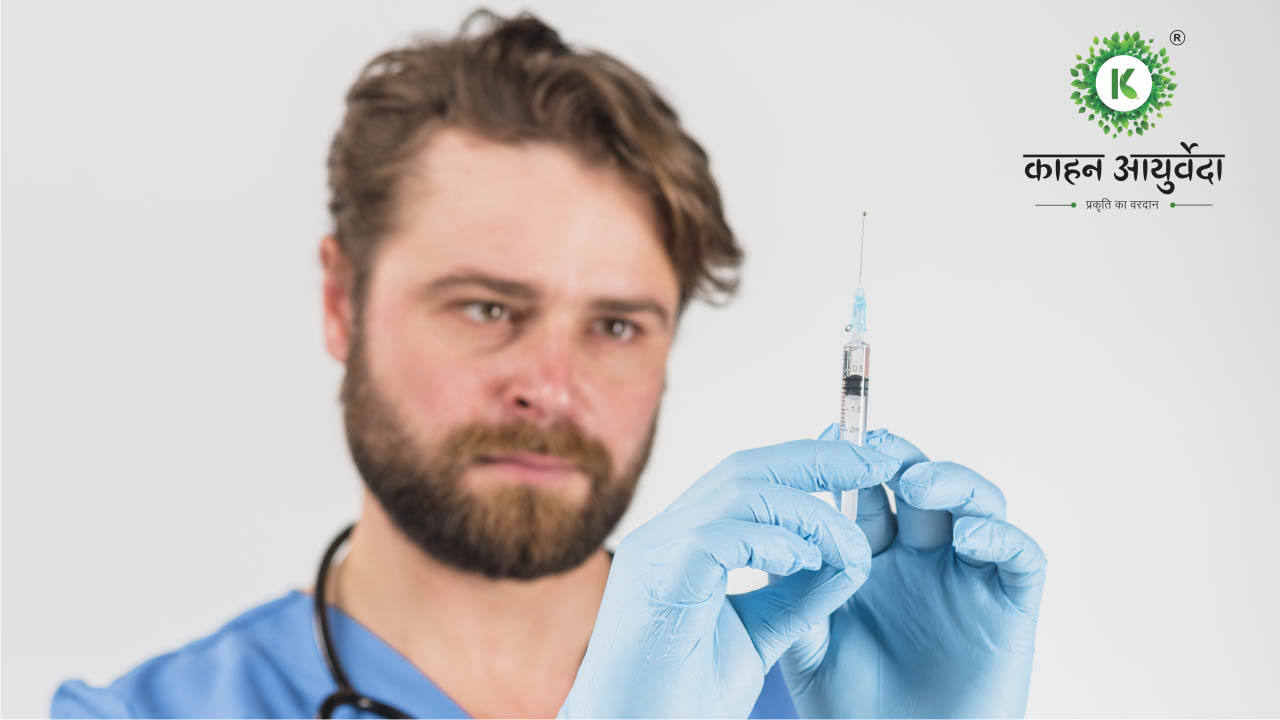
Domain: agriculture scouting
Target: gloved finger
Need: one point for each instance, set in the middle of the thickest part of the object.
(810, 465)
(934, 486)
(836, 536)
(693, 568)
(800, 661)
(951, 486)
(830, 432)
(897, 447)
(916, 528)
(1018, 558)
(778, 614)
(875, 518)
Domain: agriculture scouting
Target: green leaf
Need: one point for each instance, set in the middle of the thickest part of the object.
(1159, 115)
(1173, 86)
(1173, 72)
(1139, 131)
(1075, 72)
(1126, 36)
(1135, 35)
(1083, 109)
(1115, 37)
(1130, 133)
(1095, 39)
(1075, 94)
(1107, 129)
(1078, 57)
(1090, 116)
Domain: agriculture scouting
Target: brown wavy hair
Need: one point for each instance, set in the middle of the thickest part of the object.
(518, 81)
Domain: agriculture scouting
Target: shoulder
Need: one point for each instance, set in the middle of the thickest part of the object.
(256, 664)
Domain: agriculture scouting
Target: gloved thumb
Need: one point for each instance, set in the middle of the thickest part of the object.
(796, 606)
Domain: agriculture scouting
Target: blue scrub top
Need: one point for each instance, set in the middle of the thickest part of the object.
(267, 663)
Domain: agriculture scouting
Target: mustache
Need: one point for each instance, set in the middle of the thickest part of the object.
(563, 439)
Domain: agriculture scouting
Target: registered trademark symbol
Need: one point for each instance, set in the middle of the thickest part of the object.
(1177, 37)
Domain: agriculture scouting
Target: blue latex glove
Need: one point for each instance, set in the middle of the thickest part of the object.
(667, 640)
(945, 624)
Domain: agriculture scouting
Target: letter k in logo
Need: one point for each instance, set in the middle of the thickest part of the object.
(1122, 84)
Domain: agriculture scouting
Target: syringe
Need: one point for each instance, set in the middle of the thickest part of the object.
(853, 377)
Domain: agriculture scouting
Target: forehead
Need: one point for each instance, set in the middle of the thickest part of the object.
(531, 211)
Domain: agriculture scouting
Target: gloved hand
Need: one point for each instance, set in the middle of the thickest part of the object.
(945, 624)
(667, 641)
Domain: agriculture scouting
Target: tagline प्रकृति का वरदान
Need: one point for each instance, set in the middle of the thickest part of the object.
(1106, 204)
(1163, 167)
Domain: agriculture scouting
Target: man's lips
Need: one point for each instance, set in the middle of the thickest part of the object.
(532, 460)
(530, 467)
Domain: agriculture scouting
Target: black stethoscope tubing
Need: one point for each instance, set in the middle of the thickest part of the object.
(345, 694)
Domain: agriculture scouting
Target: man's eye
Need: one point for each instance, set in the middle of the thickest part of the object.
(618, 329)
(485, 312)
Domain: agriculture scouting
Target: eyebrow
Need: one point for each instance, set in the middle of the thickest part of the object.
(525, 291)
(510, 288)
(632, 306)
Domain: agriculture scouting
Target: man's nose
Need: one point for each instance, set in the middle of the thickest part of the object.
(543, 387)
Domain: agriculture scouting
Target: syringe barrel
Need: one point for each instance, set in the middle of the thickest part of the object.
(854, 383)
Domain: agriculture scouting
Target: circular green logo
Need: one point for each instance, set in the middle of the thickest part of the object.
(1122, 82)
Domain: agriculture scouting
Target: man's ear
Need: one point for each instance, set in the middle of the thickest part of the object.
(338, 298)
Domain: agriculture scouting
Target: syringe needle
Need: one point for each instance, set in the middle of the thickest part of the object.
(861, 244)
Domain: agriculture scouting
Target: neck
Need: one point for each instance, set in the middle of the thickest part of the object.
(497, 647)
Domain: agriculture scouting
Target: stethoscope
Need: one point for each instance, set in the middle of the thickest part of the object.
(345, 694)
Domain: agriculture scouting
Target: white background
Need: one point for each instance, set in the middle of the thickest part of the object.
(173, 451)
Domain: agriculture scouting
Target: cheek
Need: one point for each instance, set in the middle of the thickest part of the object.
(425, 379)
(621, 411)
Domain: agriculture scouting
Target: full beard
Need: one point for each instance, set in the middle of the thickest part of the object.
(509, 531)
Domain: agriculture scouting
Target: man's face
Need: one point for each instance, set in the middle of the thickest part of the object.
(501, 398)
